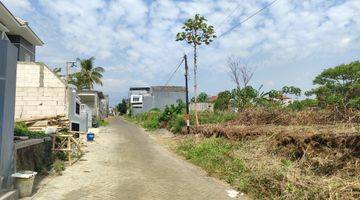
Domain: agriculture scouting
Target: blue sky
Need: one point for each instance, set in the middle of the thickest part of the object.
(134, 40)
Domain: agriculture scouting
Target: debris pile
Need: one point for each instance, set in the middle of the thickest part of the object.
(52, 123)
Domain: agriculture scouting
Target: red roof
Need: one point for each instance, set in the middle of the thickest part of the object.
(213, 98)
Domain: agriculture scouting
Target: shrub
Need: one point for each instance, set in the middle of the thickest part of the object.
(214, 117)
(222, 101)
(103, 122)
(20, 129)
(176, 124)
(59, 166)
(302, 104)
(171, 111)
(149, 120)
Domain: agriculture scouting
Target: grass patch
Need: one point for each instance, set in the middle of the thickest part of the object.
(103, 123)
(149, 120)
(216, 117)
(213, 155)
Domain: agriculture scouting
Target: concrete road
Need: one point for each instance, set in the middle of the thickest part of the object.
(125, 163)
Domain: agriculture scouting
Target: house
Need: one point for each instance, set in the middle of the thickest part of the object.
(41, 93)
(143, 99)
(97, 102)
(202, 106)
(285, 99)
(14, 33)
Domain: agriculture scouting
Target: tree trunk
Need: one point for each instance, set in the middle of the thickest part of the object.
(195, 87)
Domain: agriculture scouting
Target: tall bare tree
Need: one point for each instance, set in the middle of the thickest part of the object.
(234, 67)
(240, 73)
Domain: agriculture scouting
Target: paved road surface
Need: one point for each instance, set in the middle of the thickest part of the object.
(125, 163)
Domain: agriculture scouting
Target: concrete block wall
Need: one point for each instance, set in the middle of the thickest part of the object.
(32, 74)
(51, 80)
(40, 101)
(39, 92)
(28, 75)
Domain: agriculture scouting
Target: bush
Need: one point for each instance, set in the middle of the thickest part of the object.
(214, 117)
(302, 104)
(20, 129)
(222, 101)
(149, 120)
(103, 123)
(171, 112)
(176, 124)
(59, 166)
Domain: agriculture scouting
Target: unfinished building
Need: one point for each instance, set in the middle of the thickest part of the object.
(41, 93)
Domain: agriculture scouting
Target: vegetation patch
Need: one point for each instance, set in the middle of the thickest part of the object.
(253, 166)
(20, 129)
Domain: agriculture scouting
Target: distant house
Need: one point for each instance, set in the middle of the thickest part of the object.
(41, 93)
(202, 106)
(10, 52)
(143, 99)
(97, 102)
(284, 99)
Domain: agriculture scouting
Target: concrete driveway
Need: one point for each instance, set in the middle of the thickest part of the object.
(125, 163)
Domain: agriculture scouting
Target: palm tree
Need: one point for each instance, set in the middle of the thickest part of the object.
(88, 75)
(57, 71)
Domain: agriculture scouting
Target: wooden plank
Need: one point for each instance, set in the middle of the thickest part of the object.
(39, 118)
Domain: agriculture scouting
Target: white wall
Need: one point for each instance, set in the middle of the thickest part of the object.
(39, 92)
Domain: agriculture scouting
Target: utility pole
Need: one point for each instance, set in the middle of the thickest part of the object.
(187, 96)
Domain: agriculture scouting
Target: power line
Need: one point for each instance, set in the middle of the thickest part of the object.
(229, 15)
(176, 69)
(246, 19)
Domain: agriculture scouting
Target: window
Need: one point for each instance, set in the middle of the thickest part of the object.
(77, 108)
(136, 99)
(75, 127)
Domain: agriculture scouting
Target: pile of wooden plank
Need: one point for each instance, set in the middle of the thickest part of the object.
(58, 122)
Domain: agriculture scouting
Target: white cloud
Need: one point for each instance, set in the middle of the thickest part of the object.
(18, 7)
(139, 36)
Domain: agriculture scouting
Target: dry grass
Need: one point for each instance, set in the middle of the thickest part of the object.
(280, 116)
(294, 162)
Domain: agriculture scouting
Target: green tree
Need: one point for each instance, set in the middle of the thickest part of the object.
(196, 32)
(338, 87)
(88, 75)
(202, 97)
(244, 97)
(223, 100)
(122, 107)
(291, 90)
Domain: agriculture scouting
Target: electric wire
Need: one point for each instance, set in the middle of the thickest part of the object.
(176, 69)
(246, 19)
